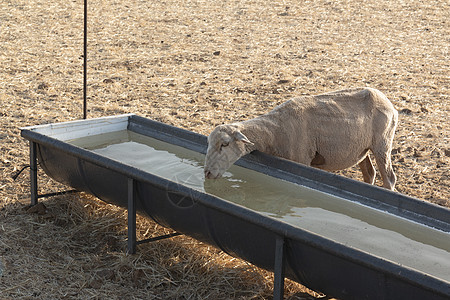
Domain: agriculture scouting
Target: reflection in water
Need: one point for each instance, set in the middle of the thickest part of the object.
(258, 192)
(344, 221)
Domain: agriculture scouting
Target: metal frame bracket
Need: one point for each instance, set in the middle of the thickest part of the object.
(132, 240)
(34, 195)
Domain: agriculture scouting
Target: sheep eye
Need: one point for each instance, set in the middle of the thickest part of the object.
(224, 144)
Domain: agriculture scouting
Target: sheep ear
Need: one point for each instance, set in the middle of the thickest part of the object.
(241, 137)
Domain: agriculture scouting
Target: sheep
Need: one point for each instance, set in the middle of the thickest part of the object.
(331, 131)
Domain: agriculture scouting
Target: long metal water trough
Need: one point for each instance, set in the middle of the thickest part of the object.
(276, 236)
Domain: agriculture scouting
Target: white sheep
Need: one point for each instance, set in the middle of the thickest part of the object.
(332, 131)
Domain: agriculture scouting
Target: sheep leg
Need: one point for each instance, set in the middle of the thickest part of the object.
(384, 164)
(367, 170)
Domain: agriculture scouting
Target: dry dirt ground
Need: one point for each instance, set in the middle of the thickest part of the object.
(197, 64)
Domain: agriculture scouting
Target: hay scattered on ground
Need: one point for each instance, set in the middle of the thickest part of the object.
(197, 64)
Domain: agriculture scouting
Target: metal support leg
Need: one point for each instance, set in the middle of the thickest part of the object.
(278, 285)
(33, 174)
(132, 240)
(131, 217)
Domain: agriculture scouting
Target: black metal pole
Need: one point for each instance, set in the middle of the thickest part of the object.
(278, 286)
(131, 217)
(85, 63)
(33, 173)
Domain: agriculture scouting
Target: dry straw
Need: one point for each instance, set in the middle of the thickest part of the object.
(196, 64)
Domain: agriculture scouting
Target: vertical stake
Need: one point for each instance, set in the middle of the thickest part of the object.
(85, 62)
(131, 217)
(33, 173)
(278, 284)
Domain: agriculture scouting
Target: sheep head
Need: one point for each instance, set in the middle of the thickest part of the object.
(226, 144)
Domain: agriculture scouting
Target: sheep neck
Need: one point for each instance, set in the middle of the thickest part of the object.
(262, 132)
